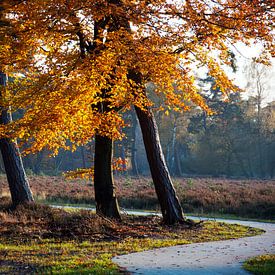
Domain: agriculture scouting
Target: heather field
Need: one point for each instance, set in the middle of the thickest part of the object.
(244, 198)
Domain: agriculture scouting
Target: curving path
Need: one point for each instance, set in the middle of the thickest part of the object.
(212, 258)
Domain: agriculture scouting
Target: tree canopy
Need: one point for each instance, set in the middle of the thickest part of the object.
(69, 58)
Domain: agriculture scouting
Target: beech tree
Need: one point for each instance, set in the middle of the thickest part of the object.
(77, 56)
(16, 176)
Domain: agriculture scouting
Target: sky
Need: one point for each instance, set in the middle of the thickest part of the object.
(244, 57)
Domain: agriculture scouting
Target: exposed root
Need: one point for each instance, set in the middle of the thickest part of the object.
(193, 224)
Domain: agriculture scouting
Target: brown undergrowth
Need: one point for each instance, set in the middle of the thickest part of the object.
(38, 239)
(245, 198)
(37, 221)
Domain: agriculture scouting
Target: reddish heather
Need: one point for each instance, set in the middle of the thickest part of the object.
(253, 198)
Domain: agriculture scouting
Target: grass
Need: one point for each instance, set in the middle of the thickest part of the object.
(207, 215)
(228, 217)
(261, 265)
(37, 239)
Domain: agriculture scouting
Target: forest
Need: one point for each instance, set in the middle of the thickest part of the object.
(222, 145)
(237, 141)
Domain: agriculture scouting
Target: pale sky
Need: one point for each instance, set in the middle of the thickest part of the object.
(244, 57)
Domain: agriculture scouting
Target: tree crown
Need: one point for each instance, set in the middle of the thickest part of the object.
(79, 64)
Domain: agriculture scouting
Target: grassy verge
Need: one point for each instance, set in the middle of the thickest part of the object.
(37, 239)
(261, 265)
(228, 217)
(207, 215)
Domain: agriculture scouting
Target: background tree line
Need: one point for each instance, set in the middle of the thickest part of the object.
(238, 140)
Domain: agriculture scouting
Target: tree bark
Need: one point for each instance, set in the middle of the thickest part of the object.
(134, 164)
(38, 162)
(16, 176)
(169, 203)
(83, 156)
(173, 149)
(178, 169)
(123, 156)
(106, 201)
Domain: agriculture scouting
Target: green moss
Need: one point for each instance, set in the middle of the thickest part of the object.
(261, 265)
(56, 256)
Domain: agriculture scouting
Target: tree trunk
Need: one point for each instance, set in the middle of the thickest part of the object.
(106, 201)
(38, 162)
(134, 164)
(83, 156)
(123, 156)
(16, 176)
(169, 203)
(173, 149)
(178, 169)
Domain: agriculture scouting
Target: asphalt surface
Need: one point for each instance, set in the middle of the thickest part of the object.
(211, 258)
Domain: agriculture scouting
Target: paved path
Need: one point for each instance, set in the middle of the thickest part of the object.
(212, 258)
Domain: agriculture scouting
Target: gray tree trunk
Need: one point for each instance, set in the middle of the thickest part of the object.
(16, 176)
(134, 170)
(169, 203)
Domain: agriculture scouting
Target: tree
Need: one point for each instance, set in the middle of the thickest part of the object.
(169, 203)
(134, 165)
(106, 201)
(85, 54)
(257, 75)
(17, 179)
(226, 143)
(269, 119)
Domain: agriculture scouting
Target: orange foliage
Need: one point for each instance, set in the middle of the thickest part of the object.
(71, 60)
(118, 164)
(83, 173)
